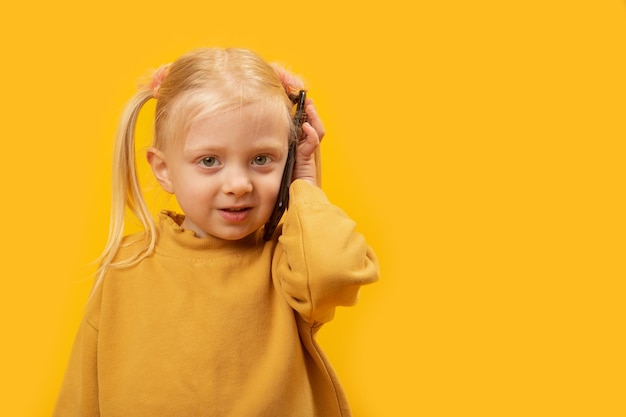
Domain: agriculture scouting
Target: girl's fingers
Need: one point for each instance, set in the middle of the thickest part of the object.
(314, 119)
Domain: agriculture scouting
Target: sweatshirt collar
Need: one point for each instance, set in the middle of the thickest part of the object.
(179, 242)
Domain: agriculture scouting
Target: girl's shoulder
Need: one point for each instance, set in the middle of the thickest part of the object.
(131, 244)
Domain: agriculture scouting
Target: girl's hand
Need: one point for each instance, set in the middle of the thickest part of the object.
(305, 166)
(314, 119)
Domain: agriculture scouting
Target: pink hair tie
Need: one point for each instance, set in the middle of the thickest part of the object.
(157, 79)
(291, 83)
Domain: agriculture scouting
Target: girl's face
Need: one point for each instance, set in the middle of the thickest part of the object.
(227, 171)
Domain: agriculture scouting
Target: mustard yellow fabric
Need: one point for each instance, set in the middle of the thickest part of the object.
(207, 327)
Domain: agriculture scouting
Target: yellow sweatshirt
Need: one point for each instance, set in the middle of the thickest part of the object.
(207, 327)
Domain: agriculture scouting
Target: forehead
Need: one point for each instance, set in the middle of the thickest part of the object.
(250, 124)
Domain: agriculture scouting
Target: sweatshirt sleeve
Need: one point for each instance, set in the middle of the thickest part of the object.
(79, 391)
(321, 260)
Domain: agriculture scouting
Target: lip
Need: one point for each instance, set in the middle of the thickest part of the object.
(235, 214)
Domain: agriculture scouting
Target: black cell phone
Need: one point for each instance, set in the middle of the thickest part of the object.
(282, 201)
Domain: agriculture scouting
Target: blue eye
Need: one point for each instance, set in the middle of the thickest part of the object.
(209, 161)
(261, 160)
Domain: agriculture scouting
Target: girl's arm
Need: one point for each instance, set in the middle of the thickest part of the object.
(79, 393)
(321, 260)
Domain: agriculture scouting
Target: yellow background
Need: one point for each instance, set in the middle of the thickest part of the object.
(479, 145)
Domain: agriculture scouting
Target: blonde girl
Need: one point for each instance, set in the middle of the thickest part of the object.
(198, 315)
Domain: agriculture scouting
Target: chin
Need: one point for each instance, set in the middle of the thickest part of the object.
(235, 235)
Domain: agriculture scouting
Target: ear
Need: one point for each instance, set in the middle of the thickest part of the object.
(156, 159)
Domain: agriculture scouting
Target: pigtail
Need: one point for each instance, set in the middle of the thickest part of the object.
(126, 193)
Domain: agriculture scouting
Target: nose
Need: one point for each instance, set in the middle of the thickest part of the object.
(236, 181)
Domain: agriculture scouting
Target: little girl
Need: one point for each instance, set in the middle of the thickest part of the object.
(198, 315)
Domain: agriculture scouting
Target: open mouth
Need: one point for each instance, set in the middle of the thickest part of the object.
(235, 214)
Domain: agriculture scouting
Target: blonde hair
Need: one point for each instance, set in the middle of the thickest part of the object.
(201, 83)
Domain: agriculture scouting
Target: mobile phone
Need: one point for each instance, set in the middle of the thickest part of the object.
(282, 201)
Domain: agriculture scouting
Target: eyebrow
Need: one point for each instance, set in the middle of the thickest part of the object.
(268, 144)
(256, 146)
